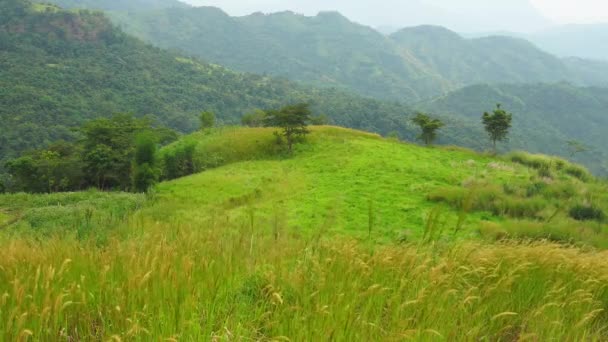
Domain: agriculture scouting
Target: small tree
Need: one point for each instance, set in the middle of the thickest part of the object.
(428, 126)
(207, 120)
(497, 124)
(254, 119)
(293, 120)
(575, 147)
(144, 172)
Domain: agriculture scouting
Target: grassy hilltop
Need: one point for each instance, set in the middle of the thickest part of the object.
(354, 237)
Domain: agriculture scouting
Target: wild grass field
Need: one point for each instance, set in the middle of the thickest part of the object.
(353, 238)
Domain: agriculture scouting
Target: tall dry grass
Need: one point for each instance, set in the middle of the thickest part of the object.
(228, 281)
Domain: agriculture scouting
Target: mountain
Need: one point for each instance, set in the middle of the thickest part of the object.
(545, 116)
(326, 50)
(462, 15)
(117, 5)
(59, 69)
(330, 50)
(493, 59)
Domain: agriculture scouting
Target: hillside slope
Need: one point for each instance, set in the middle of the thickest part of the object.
(546, 116)
(361, 184)
(59, 69)
(328, 49)
(365, 237)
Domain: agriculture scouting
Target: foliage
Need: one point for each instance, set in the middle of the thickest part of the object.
(428, 126)
(575, 147)
(144, 170)
(269, 248)
(497, 124)
(60, 69)
(207, 120)
(108, 156)
(293, 120)
(331, 51)
(255, 118)
(586, 213)
(547, 116)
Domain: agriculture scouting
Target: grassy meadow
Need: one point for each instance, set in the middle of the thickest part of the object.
(354, 237)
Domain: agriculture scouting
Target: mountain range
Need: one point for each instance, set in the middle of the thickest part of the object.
(330, 50)
(61, 68)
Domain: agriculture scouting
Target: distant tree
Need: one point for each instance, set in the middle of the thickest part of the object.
(428, 126)
(497, 124)
(207, 120)
(57, 168)
(293, 120)
(144, 171)
(575, 147)
(109, 147)
(254, 119)
(393, 135)
(319, 120)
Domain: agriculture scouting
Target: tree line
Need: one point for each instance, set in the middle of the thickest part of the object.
(121, 153)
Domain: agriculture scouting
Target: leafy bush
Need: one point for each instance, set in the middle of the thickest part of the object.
(587, 213)
(561, 232)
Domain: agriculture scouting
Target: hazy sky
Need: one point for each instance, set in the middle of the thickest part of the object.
(460, 15)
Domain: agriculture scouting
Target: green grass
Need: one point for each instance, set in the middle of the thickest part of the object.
(341, 178)
(63, 214)
(267, 246)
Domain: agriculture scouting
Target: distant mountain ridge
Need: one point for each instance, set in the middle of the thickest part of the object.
(330, 50)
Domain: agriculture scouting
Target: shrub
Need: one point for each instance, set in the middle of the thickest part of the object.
(578, 172)
(587, 213)
(530, 160)
(535, 188)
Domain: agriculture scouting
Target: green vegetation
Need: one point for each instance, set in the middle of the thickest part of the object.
(115, 153)
(547, 117)
(329, 50)
(61, 69)
(497, 125)
(428, 126)
(338, 175)
(293, 121)
(207, 120)
(83, 215)
(267, 245)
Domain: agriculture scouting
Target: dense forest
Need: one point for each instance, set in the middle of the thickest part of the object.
(60, 69)
(328, 49)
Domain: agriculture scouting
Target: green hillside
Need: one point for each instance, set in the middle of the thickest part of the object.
(360, 236)
(325, 50)
(546, 117)
(59, 69)
(117, 5)
(328, 49)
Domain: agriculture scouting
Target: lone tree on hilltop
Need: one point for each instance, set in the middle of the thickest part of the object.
(293, 120)
(497, 124)
(429, 127)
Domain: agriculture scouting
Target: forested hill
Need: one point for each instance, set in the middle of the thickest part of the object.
(117, 5)
(328, 49)
(59, 69)
(545, 117)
